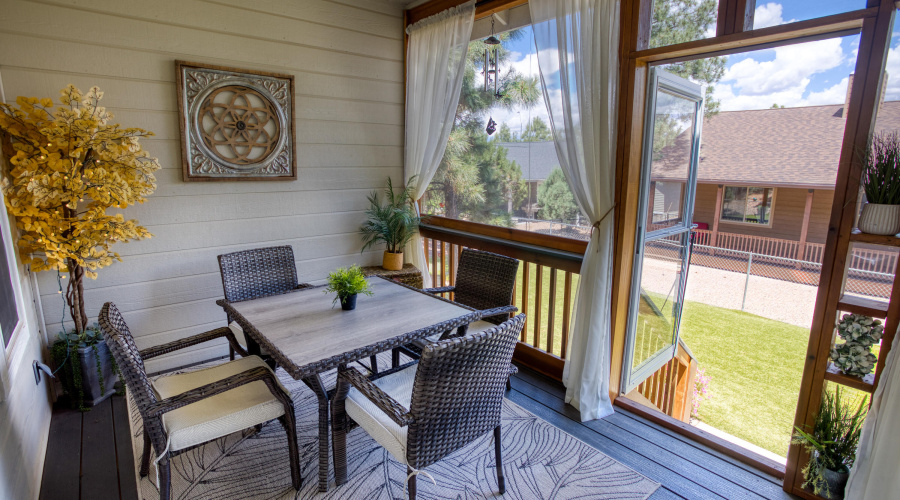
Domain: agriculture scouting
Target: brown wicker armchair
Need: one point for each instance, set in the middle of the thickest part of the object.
(484, 280)
(183, 411)
(251, 274)
(428, 410)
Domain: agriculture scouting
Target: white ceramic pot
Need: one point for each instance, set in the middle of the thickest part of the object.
(880, 219)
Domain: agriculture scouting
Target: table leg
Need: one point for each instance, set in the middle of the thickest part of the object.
(339, 430)
(315, 383)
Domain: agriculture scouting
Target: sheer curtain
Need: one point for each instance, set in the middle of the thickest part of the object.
(577, 43)
(435, 63)
(875, 472)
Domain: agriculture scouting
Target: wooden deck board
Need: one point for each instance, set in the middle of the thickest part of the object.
(100, 441)
(62, 465)
(99, 469)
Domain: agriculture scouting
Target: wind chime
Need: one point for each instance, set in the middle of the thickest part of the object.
(492, 72)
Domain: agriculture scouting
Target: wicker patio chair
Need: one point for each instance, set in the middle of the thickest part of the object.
(484, 280)
(251, 274)
(428, 410)
(183, 411)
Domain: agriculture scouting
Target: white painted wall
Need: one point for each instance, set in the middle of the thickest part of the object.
(347, 58)
(24, 405)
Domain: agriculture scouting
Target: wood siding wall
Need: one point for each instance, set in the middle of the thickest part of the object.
(347, 58)
(787, 214)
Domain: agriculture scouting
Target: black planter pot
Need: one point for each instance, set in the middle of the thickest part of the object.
(91, 376)
(837, 482)
(348, 303)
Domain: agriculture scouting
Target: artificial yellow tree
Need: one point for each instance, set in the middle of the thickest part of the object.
(69, 165)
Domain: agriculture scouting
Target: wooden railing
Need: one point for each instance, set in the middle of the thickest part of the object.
(545, 285)
(671, 388)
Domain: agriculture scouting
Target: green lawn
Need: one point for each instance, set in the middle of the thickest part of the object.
(755, 365)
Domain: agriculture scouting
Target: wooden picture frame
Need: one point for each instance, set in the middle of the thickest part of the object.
(236, 124)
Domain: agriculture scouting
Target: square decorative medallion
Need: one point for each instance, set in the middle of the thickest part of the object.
(235, 124)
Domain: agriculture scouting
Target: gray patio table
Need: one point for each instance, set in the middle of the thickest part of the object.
(307, 335)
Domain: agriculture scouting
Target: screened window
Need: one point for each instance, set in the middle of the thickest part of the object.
(750, 205)
(500, 166)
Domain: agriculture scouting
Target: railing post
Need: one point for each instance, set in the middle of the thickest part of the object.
(747, 280)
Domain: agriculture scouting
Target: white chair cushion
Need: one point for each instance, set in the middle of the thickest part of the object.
(376, 422)
(479, 326)
(219, 415)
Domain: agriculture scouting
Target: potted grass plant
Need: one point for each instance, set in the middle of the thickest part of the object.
(347, 283)
(832, 444)
(393, 223)
(881, 183)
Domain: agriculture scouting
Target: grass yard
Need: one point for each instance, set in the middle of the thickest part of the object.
(755, 365)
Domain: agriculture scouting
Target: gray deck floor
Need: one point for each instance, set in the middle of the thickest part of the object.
(89, 455)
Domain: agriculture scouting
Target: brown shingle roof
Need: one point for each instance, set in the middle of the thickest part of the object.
(797, 147)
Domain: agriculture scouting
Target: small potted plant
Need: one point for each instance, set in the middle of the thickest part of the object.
(347, 283)
(86, 370)
(832, 443)
(854, 357)
(881, 183)
(393, 223)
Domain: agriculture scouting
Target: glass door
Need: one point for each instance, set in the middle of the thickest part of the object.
(663, 246)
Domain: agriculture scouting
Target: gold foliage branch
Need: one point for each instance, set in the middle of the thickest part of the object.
(68, 166)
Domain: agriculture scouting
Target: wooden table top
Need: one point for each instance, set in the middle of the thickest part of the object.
(312, 335)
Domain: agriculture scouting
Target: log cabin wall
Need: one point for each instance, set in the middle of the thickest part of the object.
(347, 60)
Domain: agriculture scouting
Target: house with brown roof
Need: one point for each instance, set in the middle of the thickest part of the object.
(765, 173)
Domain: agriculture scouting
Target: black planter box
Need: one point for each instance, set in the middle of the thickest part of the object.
(90, 379)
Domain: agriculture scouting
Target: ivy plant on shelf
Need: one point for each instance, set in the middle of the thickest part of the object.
(69, 165)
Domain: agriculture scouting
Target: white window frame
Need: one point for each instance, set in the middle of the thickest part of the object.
(744, 223)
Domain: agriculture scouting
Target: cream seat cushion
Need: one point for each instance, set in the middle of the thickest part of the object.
(219, 415)
(370, 417)
(474, 327)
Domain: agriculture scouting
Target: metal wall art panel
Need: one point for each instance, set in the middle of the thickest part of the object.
(235, 124)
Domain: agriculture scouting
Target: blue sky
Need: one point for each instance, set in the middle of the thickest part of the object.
(809, 74)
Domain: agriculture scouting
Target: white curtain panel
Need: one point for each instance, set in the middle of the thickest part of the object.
(435, 64)
(577, 43)
(876, 472)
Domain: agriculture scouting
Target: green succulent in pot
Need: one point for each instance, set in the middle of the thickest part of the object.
(832, 442)
(347, 283)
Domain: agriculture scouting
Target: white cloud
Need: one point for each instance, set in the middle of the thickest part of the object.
(753, 84)
(768, 15)
(892, 93)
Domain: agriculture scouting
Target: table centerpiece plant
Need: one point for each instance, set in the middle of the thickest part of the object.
(881, 183)
(347, 283)
(832, 442)
(393, 223)
(68, 166)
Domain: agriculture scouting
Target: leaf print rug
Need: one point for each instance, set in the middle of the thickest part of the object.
(540, 461)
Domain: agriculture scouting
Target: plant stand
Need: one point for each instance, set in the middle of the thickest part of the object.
(409, 275)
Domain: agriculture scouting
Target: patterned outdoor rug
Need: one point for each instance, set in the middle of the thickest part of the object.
(539, 462)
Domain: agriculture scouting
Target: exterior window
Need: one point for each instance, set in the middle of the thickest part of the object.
(751, 205)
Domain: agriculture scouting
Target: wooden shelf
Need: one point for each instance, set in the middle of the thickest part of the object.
(867, 384)
(874, 239)
(863, 305)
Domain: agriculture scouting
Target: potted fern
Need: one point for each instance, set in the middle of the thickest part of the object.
(881, 183)
(347, 283)
(832, 444)
(393, 223)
